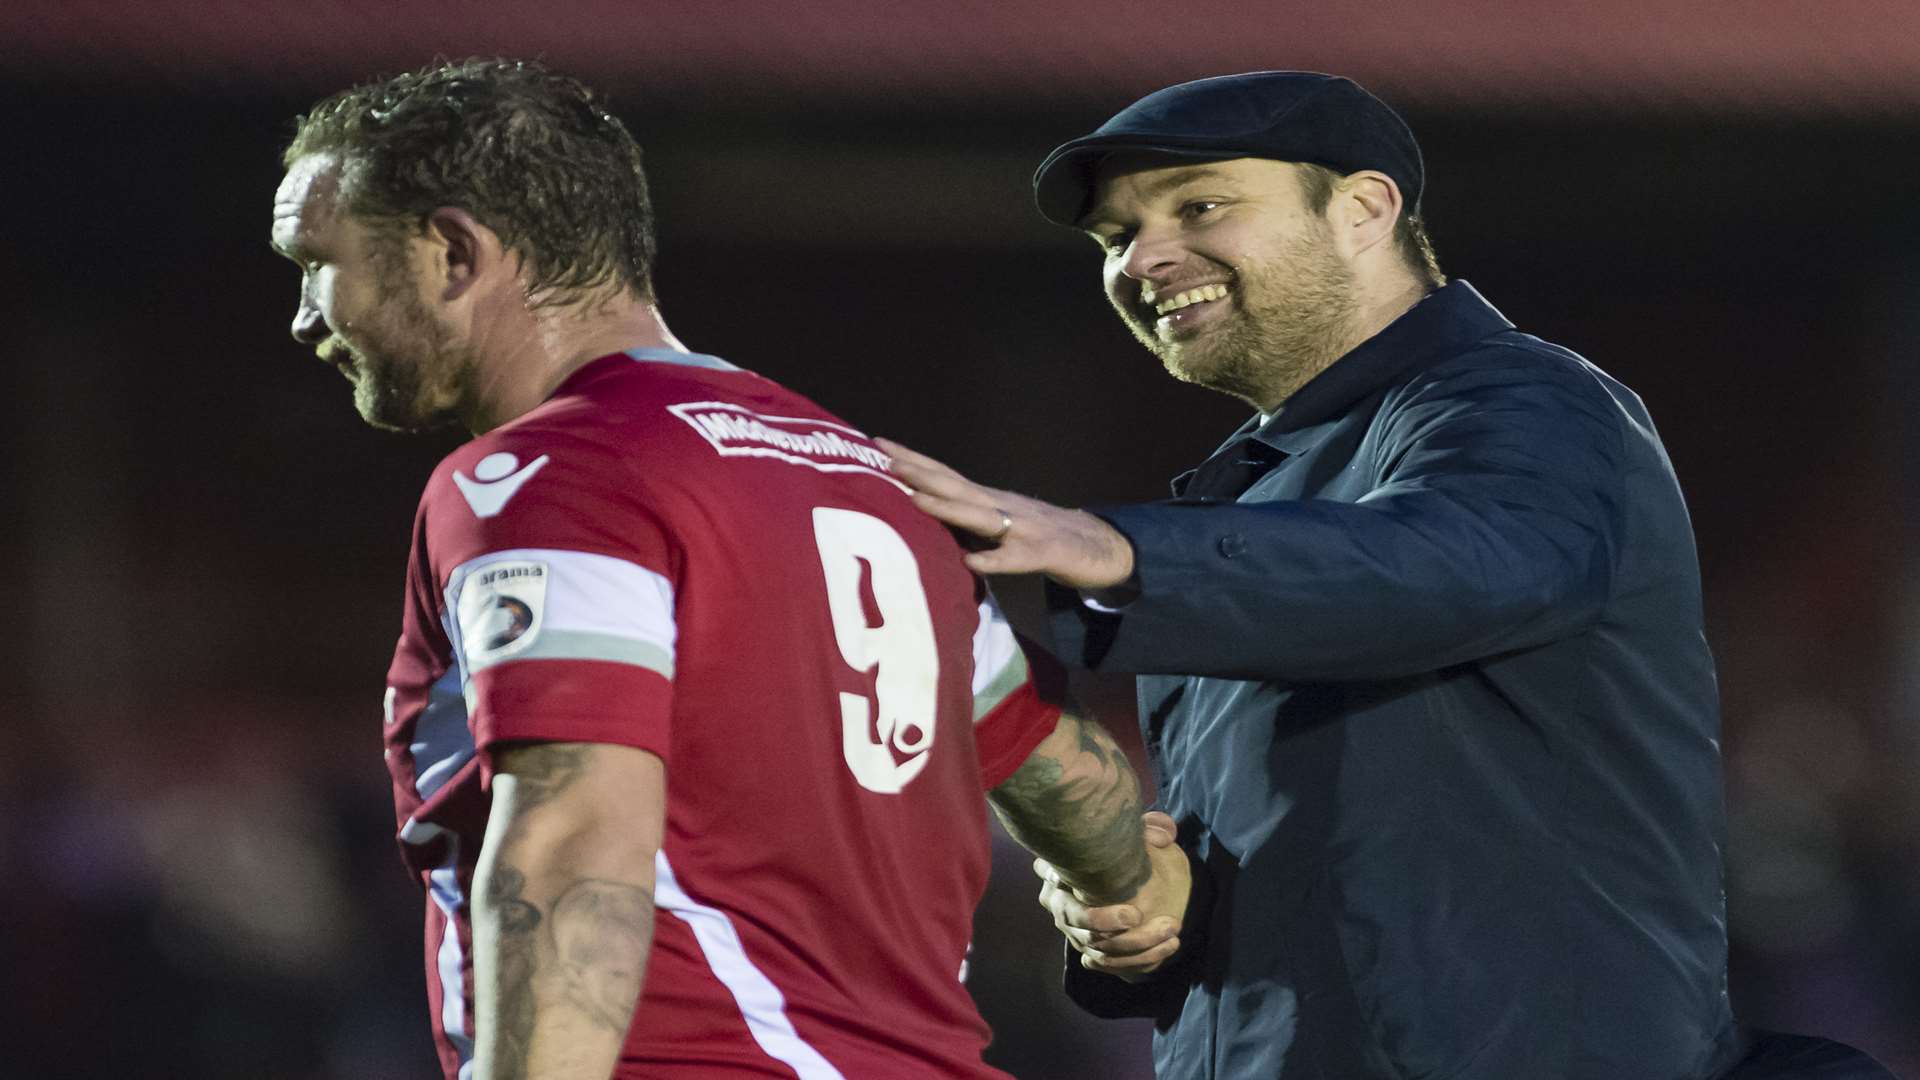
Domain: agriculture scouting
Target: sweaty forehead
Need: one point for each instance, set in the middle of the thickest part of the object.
(307, 197)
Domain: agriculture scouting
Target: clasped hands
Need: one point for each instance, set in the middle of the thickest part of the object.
(1133, 938)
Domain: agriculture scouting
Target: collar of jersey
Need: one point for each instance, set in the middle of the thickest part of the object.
(684, 359)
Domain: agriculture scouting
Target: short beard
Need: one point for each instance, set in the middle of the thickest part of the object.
(1295, 313)
(392, 393)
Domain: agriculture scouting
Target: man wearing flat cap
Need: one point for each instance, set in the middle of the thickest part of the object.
(1422, 675)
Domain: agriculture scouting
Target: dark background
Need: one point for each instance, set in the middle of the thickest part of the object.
(206, 547)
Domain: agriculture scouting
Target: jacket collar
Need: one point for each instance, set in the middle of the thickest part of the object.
(1447, 319)
(1440, 325)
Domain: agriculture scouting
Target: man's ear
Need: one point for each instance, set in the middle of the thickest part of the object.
(1365, 207)
(466, 250)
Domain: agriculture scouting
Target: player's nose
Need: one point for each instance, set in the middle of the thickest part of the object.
(308, 326)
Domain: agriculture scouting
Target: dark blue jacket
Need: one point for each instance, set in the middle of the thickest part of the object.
(1423, 679)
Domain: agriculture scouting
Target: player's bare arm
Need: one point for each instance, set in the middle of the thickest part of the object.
(1076, 803)
(563, 916)
(1028, 536)
(1116, 885)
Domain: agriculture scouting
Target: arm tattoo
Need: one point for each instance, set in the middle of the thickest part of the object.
(517, 946)
(570, 957)
(598, 933)
(601, 930)
(542, 769)
(1080, 810)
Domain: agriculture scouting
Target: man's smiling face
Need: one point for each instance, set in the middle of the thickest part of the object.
(1221, 269)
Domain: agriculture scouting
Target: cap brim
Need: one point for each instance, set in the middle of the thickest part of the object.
(1063, 184)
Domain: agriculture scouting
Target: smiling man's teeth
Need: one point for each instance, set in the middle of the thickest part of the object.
(1190, 297)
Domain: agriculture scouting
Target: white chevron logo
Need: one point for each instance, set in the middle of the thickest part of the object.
(495, 481)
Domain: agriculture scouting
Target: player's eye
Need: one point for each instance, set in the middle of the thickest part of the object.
(1115, 243)
(1198, 208)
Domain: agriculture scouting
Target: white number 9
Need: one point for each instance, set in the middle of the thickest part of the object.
(902, 647)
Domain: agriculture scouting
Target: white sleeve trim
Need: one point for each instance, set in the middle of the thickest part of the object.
(999, 667)
(551, 603)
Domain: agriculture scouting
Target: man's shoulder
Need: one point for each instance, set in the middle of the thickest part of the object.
(1510, 363)
(1514, 351)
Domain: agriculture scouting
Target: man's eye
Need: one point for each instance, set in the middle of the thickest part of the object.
(1198, 207)
(1116, 243)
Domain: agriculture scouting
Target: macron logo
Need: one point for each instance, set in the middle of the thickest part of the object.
(495, 479)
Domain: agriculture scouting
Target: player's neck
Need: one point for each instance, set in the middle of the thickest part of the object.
(530, 361)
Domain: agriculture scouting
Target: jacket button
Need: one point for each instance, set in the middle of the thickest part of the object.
(1232, 544)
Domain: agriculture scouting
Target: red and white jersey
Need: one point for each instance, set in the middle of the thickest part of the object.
(677, 555)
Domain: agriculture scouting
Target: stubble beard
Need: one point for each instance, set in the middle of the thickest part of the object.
(1293, 313)
(405, 364)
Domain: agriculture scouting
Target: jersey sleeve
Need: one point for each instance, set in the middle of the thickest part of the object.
(1011, 712)
(559, 605)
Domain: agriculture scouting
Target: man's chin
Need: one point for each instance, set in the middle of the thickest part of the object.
(387, 414)
(1186, 364)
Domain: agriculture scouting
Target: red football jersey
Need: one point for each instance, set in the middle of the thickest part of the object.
(675, 554)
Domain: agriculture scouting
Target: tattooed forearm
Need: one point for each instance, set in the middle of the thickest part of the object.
(601, 930)
(516, 920)
(1076, 803)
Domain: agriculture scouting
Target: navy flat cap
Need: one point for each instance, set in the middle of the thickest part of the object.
(1285, 115)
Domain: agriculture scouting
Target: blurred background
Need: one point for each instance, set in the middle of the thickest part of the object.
(1714, 200)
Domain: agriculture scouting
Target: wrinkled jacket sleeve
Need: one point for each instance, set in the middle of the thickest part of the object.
(1492, 527)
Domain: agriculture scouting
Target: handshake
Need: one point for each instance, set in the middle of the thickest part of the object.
(1132, 937)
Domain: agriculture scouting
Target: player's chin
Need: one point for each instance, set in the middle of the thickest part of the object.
(386, 410)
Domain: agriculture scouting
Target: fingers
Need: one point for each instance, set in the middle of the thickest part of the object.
(971, 515)
(1160, 829)
(1113, 929)
(1131, 967)
(1072, 913)
(1109, 939)
(923, 473)
(952, 499)
(1140, 941)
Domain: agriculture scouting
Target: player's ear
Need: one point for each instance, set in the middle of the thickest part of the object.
(1363, 210)
(467, 250)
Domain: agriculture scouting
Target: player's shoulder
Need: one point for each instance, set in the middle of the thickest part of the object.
(704, 416)
(677, 406)
(558, 477)
(531, 461)
(589, 435)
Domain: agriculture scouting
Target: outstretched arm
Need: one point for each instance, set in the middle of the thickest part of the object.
(563, 907)
(1493, 519)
